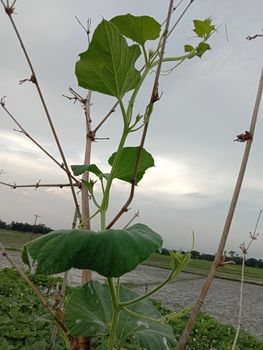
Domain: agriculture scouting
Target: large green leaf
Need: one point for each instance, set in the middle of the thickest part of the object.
(127, 162)
(88, 312)
(111, 253)
(108, 64)
(138, 28)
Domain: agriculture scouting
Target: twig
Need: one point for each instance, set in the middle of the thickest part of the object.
(154, 98)
(35, 290)
(253, 236)
(86, 29)
(231, 211)
(179, 19)
(86, 274)
(254, 36)
(24, 132)
(9, 11)
(36, 186)
(240, 302)
(112, 110)
(136, 215)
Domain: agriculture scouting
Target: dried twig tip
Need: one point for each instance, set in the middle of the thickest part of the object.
(2, 101)
(244, 137)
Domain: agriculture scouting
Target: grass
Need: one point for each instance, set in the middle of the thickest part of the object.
(14, 240)
(202, 267)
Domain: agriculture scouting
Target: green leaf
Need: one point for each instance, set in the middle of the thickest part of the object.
(203, 28)
(89, 184)
(188, 48)
(138, 28)
(127, 162)
(108, 64)
(111, 253)
(89, 311)
(202, 48)
(92, 168)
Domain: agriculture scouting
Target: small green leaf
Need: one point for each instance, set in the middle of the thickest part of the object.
(89, 184)
(203, 28)
(111, 253)
(108, 64)
(92, 168)
(88, 311)
(202, 48)
(127, 162)
(188, 48)
(138, 28)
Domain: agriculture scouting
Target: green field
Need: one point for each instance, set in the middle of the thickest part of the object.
(202, 267)
(15, 239)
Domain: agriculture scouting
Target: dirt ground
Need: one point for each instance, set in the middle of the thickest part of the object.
(222, 301)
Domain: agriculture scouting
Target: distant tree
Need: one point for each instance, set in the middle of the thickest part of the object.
(26, 227)
(252, 262)
(2, 224)
(260, 264)
(209, 257)
(195, 254)
(232, 254)
(165, 251)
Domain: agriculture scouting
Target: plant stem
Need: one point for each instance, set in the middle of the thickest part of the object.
(142, 297)
(115, 314)
(231, 211)
(105, 200)
(149, 109)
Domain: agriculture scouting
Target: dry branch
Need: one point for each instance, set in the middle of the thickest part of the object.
(231, 211)
(36, 185)
(9, 9)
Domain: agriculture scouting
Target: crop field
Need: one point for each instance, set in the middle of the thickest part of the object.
(15, 239)
(201, 267)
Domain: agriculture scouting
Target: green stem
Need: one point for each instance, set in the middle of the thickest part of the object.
(135, 92)
(105, 200)
(161, 285)
(115, 314)
(142, 316)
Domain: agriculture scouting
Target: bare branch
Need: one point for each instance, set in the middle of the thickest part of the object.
(253, 236)
(87, 28)
(36, 186)
(254, 36)
(136, 215)
(23, 131)
(229, 218)
(9, 11)
(180, 17)
(112, 110)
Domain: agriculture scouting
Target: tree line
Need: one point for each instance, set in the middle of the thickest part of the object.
(228, 256)
(25, 227)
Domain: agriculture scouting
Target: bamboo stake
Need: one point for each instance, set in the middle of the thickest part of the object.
(231, 211)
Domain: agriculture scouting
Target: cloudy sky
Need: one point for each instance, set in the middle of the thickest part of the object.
(205, 104)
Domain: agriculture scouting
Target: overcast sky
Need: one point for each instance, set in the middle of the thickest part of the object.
(205, 104)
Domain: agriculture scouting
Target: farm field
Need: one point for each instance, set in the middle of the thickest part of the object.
(201, 267)
(15, 239)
